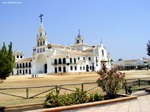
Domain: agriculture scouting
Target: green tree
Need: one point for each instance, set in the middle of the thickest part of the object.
(7, 61)
(148, 48)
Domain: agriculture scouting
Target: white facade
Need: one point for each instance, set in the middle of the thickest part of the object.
(54, 58)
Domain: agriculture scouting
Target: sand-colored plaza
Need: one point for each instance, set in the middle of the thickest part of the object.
(43, 79)
(50, 79)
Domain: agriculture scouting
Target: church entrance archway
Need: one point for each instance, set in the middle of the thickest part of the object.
(41, 64)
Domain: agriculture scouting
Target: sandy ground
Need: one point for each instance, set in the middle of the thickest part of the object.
(43, 79)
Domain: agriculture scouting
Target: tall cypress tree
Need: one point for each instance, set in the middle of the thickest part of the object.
(148, 48)
(7, 61)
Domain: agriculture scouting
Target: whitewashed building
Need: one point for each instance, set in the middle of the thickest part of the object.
(54, 58)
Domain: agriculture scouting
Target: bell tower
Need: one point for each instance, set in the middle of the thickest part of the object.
(41, 36)
(79, 39)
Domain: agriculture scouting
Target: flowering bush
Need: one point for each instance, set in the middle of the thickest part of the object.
(111, 81)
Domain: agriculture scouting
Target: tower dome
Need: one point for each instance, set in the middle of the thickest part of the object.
(79, 39)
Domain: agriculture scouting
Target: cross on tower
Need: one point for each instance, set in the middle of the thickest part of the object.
(79, 33)
(41, 17)
(101, 41)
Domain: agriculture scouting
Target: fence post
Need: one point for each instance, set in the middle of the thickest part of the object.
(56, 87)
(82, 87)
(139, 82)
(27, 93)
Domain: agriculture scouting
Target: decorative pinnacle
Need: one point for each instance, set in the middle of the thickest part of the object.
(41, 15)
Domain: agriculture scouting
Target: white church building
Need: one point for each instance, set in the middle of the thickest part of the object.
(54, 58)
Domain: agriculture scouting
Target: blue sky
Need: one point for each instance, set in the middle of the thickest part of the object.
(123, 25)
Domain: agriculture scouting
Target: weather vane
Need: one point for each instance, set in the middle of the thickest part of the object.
(41, 17)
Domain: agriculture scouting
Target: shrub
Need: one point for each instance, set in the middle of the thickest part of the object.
(111, 81)
(95, 97)
(54, 99)
(79, 96)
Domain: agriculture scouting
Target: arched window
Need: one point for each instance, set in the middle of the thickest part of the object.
(41, 49)
(20, 71)
(23, 65)
(55, 69)
(40, 34)
(29, 64)
(17, 56)
(89, 58)
(75, 67)
(75, 60)
(70, 60)
(80, 67)
(20, 65)
(71, 68)
(21, 56)
(26, 64)
(102, 52)
(55, 61)
(26, 71)
(38, 43)
(17, 65)
(29, 71)
(17, 72)
(83, 68)
(64, 60)
(59, 69)
(59, 61)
